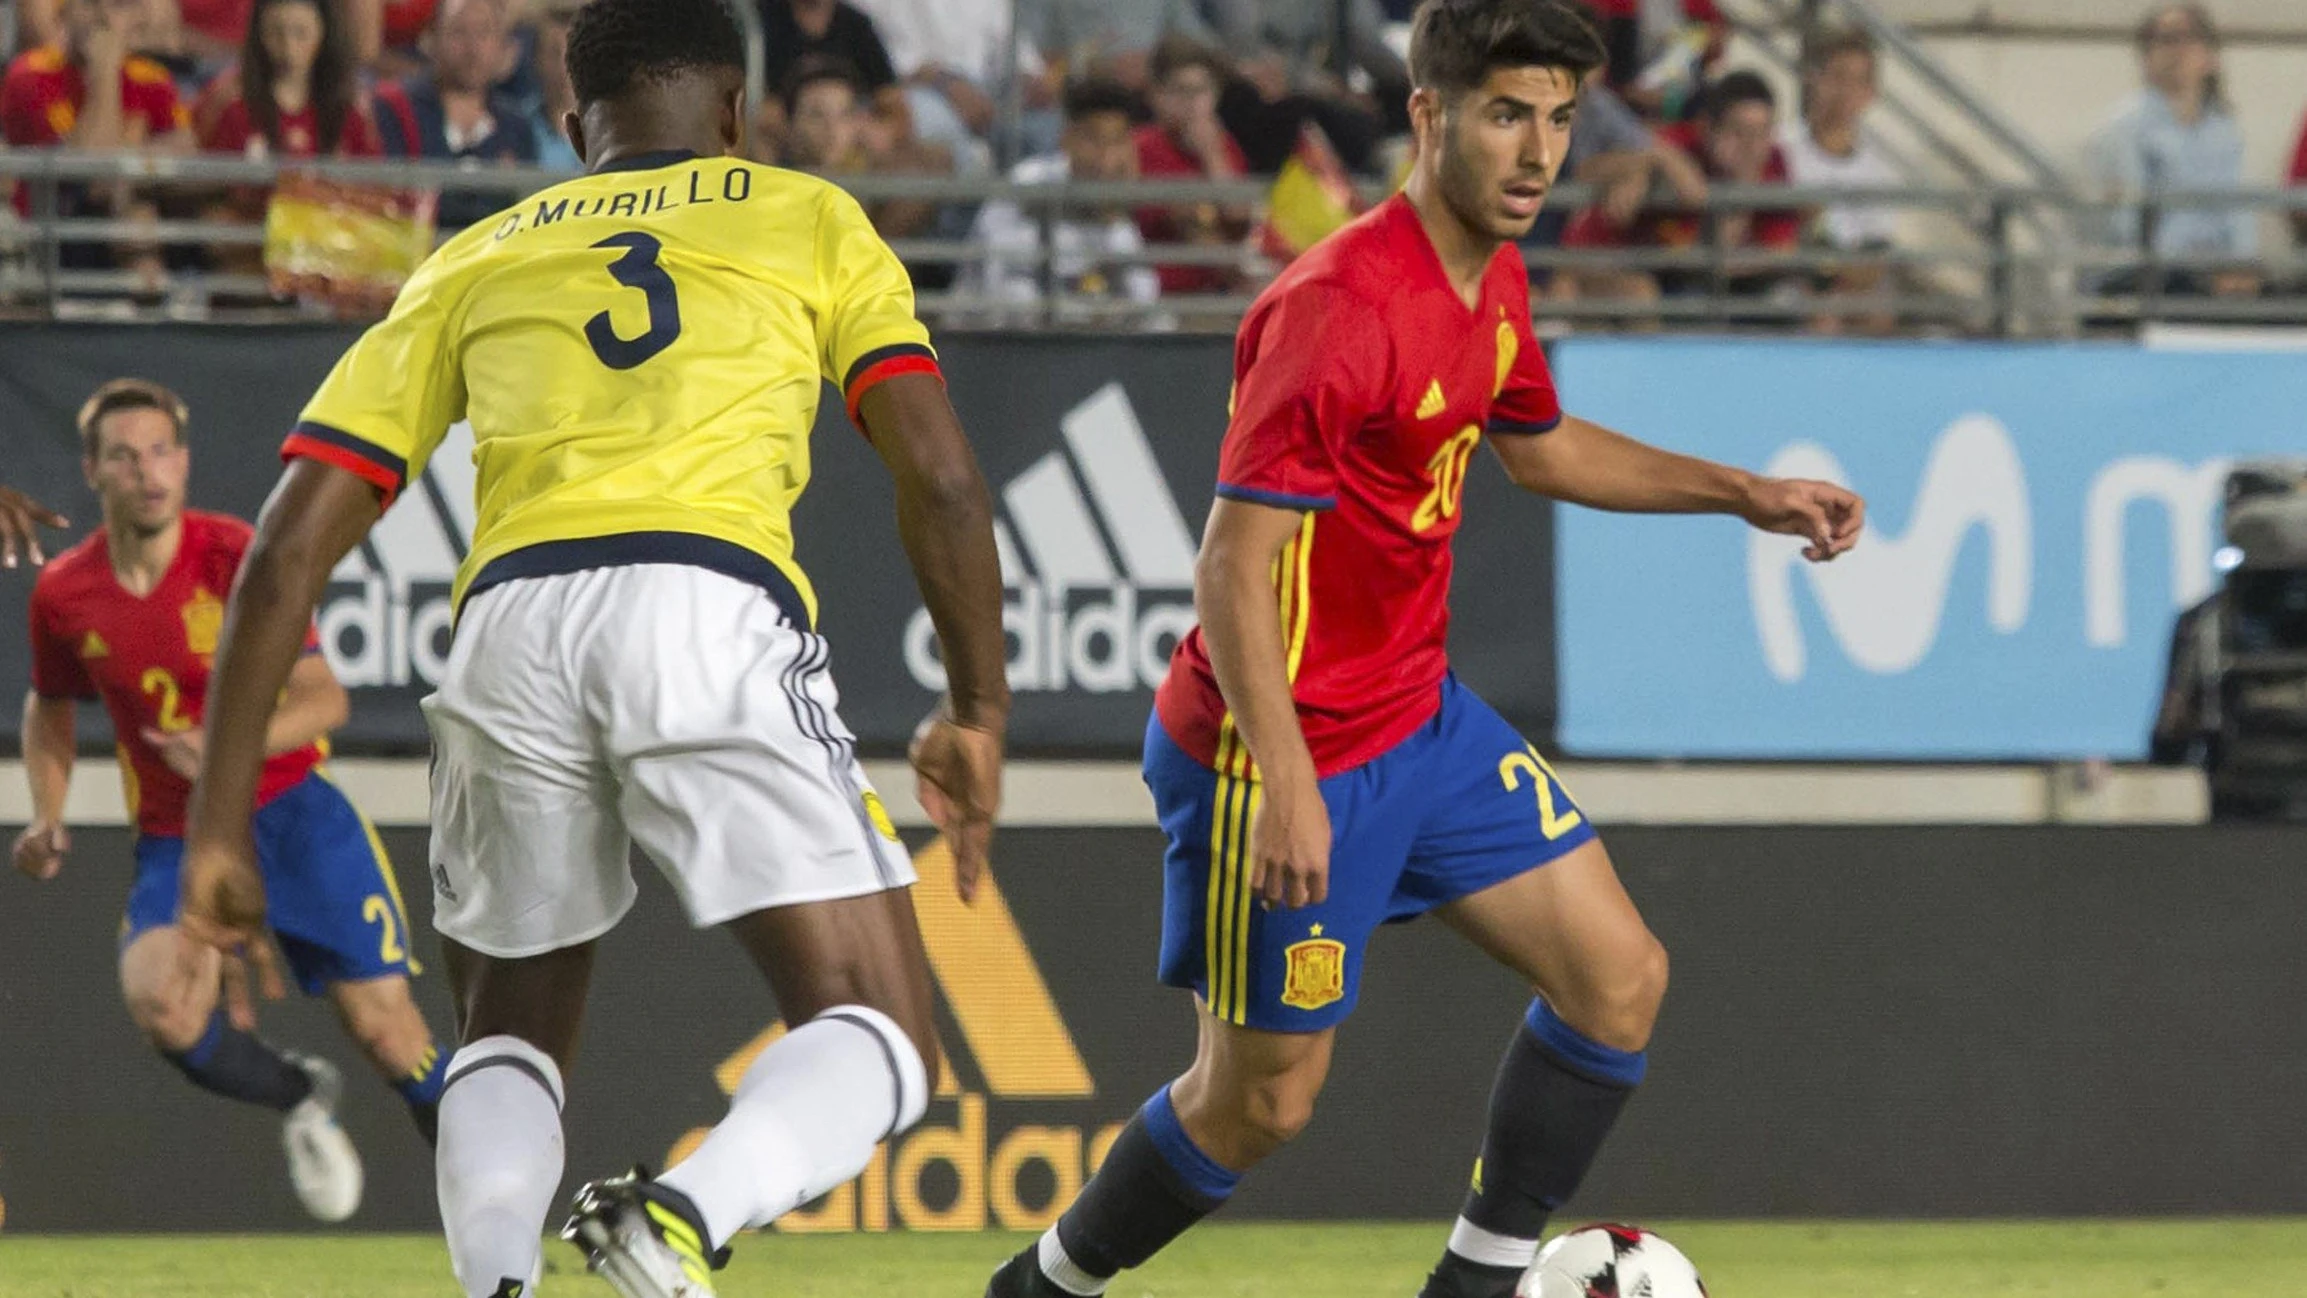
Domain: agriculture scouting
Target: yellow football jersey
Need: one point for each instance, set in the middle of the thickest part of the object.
(640, 352)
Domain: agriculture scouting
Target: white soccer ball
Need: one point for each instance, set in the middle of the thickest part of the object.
(1610, 1261)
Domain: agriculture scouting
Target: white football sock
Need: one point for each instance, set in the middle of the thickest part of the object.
(500, 1160)
(805, 1118)
(1489, 1248)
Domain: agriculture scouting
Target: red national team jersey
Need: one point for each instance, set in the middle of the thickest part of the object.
(1363, 385)
(226, 127)
(41, 95)
(148, 658)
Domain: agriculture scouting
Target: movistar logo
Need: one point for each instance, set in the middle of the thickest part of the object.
(1885, 601)
(1096, 558)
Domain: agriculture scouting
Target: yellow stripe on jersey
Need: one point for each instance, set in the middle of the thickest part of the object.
(1226, 928)
(640, 353)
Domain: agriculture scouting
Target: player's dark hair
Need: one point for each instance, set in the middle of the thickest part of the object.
(813, 68)
(1733, 89)
(1177, 53)
(614, 44)
(1089, 96)
(334, 84)
(128, 394)
(1455, 44)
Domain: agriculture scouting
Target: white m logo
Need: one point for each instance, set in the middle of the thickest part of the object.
(1885, 599)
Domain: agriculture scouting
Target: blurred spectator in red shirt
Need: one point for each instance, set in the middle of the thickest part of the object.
(1733, 140)
(1185, 141)
(91, 93)
(1661, 51)
(296, 93)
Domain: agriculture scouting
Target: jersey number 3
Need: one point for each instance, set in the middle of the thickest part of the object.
(638, 268)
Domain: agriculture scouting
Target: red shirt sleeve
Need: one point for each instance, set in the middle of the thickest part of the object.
(149, 92)
(1526, 401)
(24, 95)
(229, 130)
(56, 669)
(360, 138)
(1310, 375)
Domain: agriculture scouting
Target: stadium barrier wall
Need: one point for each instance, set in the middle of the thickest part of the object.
(2039, 515)
(1864, 1021)
(1101, 452)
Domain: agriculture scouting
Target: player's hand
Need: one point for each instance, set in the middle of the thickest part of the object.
(1828, 516)
(960, 788)
(1290, 846)
(222, 906)
(21, 518)
(40, 850)
(181, 750)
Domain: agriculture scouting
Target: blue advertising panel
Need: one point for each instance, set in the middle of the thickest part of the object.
(2037, 517)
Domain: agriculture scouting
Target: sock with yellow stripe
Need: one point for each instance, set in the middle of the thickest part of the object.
(805, 1119)
(421, 1087)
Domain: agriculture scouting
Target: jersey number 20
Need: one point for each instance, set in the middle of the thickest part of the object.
(638, 268)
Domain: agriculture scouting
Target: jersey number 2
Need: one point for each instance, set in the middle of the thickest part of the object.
(638, 268)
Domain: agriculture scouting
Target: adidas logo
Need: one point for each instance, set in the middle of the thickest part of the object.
(1018, 1123)
(93, 647)
(387, 618)
(1433, 403)
(1096, 560)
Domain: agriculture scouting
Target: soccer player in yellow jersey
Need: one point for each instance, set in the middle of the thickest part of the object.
(640, 352)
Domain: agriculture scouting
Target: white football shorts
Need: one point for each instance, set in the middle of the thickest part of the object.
(656, 704)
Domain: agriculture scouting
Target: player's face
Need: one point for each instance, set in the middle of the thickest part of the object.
(1842, 91)
(1099, 147)
(291, 34)
(826, 124)
(139, 470)
(1499, 147)
(1741, 141)
(1184, 100)
(469, 45)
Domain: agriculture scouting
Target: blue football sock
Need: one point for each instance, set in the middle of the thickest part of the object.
(229, 1062)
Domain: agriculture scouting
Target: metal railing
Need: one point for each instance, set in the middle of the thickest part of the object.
(2015, 265)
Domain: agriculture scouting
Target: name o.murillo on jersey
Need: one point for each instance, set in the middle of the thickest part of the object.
(761, 284)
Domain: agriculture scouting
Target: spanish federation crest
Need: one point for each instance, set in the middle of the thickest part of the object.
(203, 621)
(1315, 974)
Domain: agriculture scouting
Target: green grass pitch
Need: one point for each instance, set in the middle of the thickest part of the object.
(2259, 1258)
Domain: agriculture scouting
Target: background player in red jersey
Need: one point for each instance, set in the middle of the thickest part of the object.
(132, 615)
(1317, 768)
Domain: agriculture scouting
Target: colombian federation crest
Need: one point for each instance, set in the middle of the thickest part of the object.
(203, 621)
(1315, 974)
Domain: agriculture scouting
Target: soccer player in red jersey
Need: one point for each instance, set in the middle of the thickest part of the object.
(132, 615)
(1316, 766)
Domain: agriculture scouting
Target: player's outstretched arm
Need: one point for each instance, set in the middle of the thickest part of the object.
(945, 518)
(318, 512)
(21, 518)
(48, 753)
(1583, 463)
(1242, 626)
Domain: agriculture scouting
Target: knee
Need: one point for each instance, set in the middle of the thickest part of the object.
(171, 1021)
(1276, 1110)
(1626, 1006)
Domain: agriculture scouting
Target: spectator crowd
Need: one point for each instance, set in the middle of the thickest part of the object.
(1105, 90)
